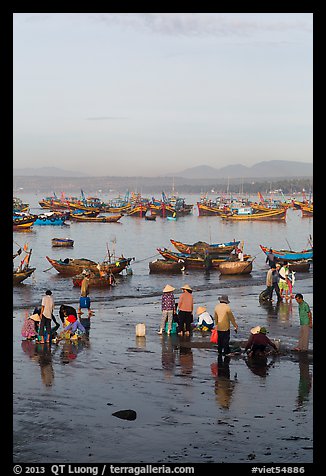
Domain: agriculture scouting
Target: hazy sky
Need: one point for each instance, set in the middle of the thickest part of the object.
(152, 93)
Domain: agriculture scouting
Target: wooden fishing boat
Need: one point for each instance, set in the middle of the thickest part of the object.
(301, 266)
(62, 242)
(235, 267)
(24, 270)
(202, 247)
(151, 217)
(138, 211)
(95, 280)
(195, 261)
(79, 217)
(166, 266)
(20, 276)
(307, 210)
(23, 222)
(277, 214)
(72, 267)
(19, 206)
(210, 209)
(83, 213)
(289, 255)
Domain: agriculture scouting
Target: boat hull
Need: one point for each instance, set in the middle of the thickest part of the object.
(98, 219)
(165, 266)
(72, 267)
(19, 277)
(288, 256)
(236, 267)
(62, 242)
(202, 247)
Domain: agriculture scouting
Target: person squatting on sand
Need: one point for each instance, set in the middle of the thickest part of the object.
(185, 310)
(223, 317)
(258, 342)
(168, 307)
(205, 320)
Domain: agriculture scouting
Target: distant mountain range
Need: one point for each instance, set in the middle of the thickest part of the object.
(46, 172)
(272, 168)
(267, 169)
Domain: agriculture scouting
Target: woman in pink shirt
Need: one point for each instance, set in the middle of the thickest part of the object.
(185, 309)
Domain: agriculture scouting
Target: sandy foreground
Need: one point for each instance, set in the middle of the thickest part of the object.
(190, 407)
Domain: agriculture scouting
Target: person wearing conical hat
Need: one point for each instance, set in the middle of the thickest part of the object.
(168, 308)
(258, 342)
(204, 318)
(185, 307)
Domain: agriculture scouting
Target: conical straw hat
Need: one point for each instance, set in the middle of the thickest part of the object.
(168, 288)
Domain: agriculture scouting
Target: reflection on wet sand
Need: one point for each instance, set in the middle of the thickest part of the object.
(70, 349)
(41, 353)
(186, 358)
(169, 344)
(278, 310)
(259, 365)
(271, 308)
(224, 386)
(305, 381)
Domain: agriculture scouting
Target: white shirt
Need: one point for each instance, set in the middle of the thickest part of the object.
(205, 316)
(48, 303)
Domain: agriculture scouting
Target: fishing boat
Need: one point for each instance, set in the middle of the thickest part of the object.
(236, 267)
(166, 266)
(72, 267)
(20, 276)
(81, 217)
(211, 208)
(23, 271)
(19, 206)
(138, 211)
(95, 280)
(289, 255)
(248, 213)
(202, 247)
(151, 217)
(62, 242)
(51, 218)
(301, 266)
(196, 261)
(307, 210)
(23, 222)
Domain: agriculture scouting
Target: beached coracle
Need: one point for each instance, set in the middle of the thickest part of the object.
(236, 267)
(166, 266)
(62, 242)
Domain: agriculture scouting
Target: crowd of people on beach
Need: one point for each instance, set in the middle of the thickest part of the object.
(37, 326)
(178, 317)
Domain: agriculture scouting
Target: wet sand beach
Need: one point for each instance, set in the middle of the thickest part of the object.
(190, 407)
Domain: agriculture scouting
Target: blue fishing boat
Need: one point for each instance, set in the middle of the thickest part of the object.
(51, 218)
(289, 255)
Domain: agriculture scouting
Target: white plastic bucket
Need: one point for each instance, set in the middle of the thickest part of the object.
(140, 329)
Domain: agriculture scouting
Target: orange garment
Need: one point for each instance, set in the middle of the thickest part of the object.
(186, 302)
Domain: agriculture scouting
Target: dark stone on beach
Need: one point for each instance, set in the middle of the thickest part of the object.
(126, 414)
